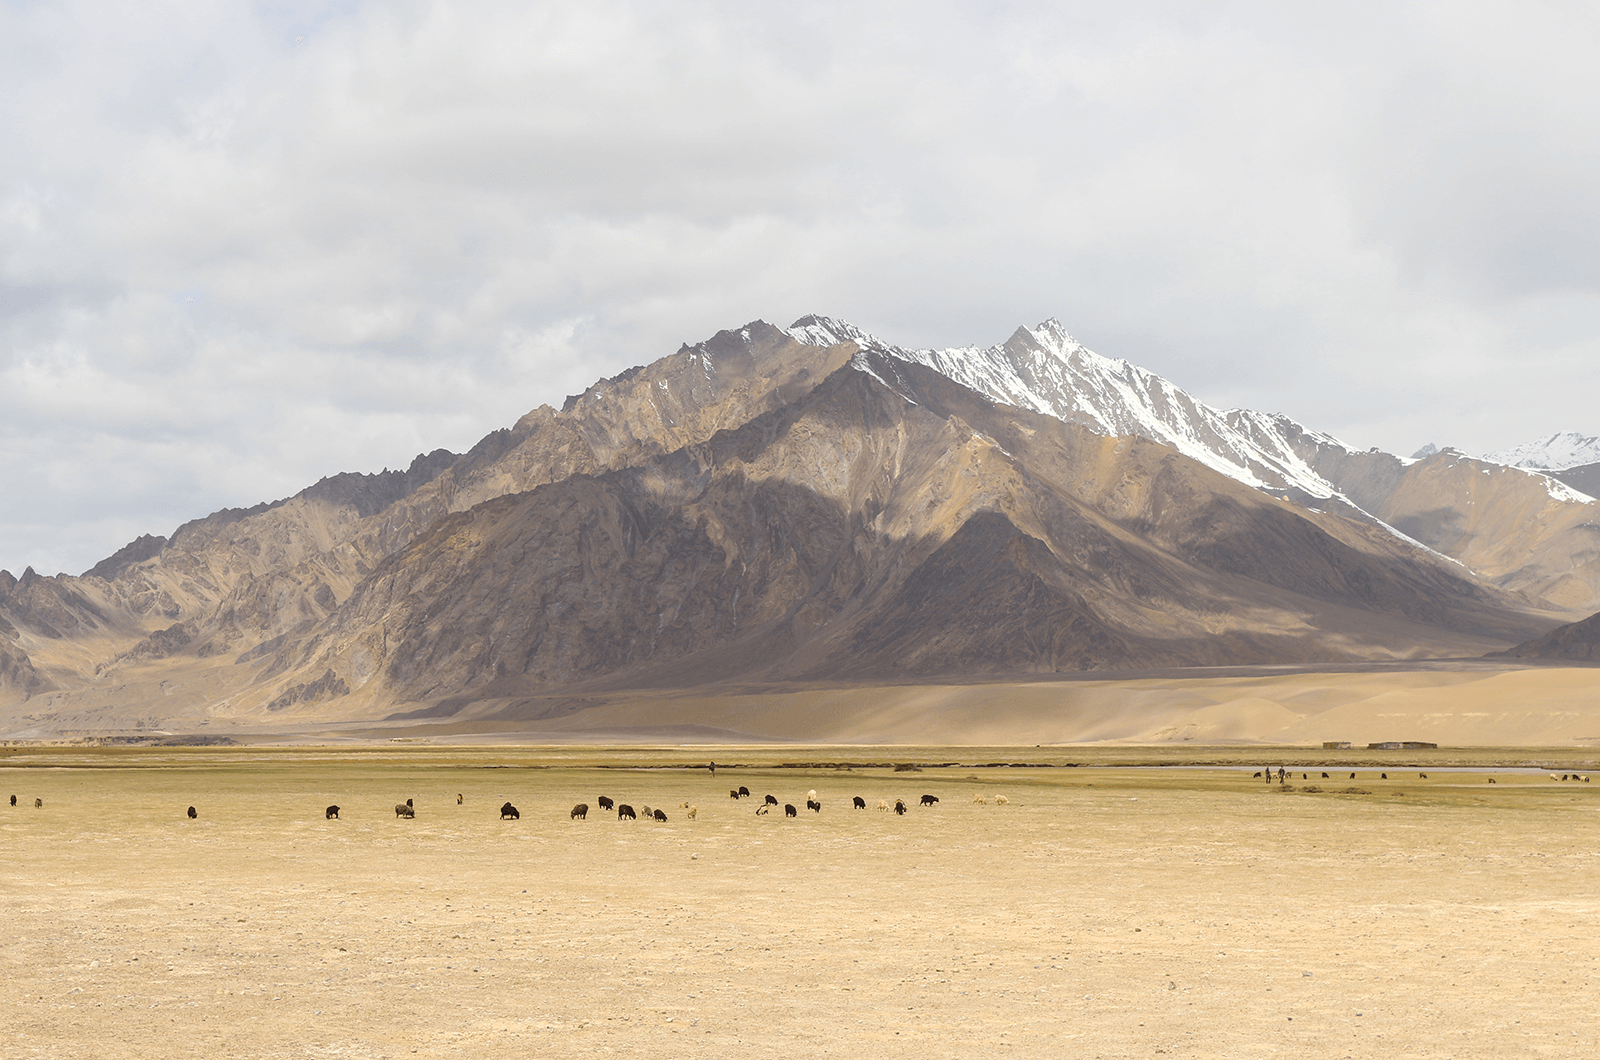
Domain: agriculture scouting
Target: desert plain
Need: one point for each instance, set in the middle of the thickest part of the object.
(1123, 902)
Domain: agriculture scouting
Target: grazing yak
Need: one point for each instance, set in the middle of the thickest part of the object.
(744, 792)
(13, 800)
(900, 806)
(625, 812)
(771, 801)
(607, 804)
(660, 815)
(580, 812)
(404, 809)
(1324, 776)
(789, 810)
(733, 793)
(509, 811)
(929, 800)
(192, 813)
(813, 805)
(859, 803)
(330, 813)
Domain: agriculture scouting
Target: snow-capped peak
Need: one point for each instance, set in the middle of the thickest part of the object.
(1558, 452)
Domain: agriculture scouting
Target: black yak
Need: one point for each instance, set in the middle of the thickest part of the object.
(771, 801)
(509, 811)
(789, 810)
(900, 806)
(607, 804)
(580, 812)
(659, 815)
(813, 805)
(331, 813)
(192, 813)
(404, 809)
(859, 803)
(929, 800)
(625, 811)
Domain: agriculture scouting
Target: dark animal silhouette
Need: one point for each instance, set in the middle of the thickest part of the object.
(626, 811)
(580, 812)
(509, 811)
(733, 793)
(1383, 776)
(331, 813)
(789, 810)
(929, 800)
(405, 809)
(607, 804)
(899, 806)
(1423, 776)
(13, 800)
(1304, 777)
(38, 804)
(1324, 776)
(1258, 772)
(813, 805)
(659, 815)
(1491, 780)
(771, 801)
(744, 792)
(859, 803)
(1352, 776)
(192, 813)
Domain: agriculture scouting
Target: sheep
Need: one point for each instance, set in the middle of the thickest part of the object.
(660, 815)
(647, 811)
(683, 805)
(1554, 777)
(771, 801)
(38, 804)
(192, 813)
(789, 810)
(624, 811)
(929, 800)
(744, 792)
(978, 799)
(813, 805)
(761, 811)
(330, 813)
(900, 806)
(882, 805)
(812, 795)
(607, 804)
(1000, 800)
(691, 811)
(859, 803)
(1422, 776)
(459, 798)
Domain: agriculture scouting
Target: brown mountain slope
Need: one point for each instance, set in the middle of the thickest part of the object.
(856, 533)
(1573, 641)
(241, 577)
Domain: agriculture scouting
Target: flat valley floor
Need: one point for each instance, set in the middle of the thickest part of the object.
(1103, 911)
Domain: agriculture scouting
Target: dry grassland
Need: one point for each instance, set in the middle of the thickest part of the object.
(1105, 911)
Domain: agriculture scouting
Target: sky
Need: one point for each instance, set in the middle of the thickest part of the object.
(244, 246)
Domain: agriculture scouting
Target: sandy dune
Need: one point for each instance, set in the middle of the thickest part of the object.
(1464, 704)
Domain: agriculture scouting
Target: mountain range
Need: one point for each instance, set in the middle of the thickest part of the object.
(790, 506)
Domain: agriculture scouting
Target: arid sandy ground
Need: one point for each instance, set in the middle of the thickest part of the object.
(1116, 912)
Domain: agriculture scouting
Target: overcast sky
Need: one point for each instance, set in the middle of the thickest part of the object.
(245, 246)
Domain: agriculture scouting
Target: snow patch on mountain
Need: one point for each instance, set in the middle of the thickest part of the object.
(1558, 452)
(1048, 371)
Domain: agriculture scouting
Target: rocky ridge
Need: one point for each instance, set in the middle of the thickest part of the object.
(803, 504)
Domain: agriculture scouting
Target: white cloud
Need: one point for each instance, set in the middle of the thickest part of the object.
(231, 262)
